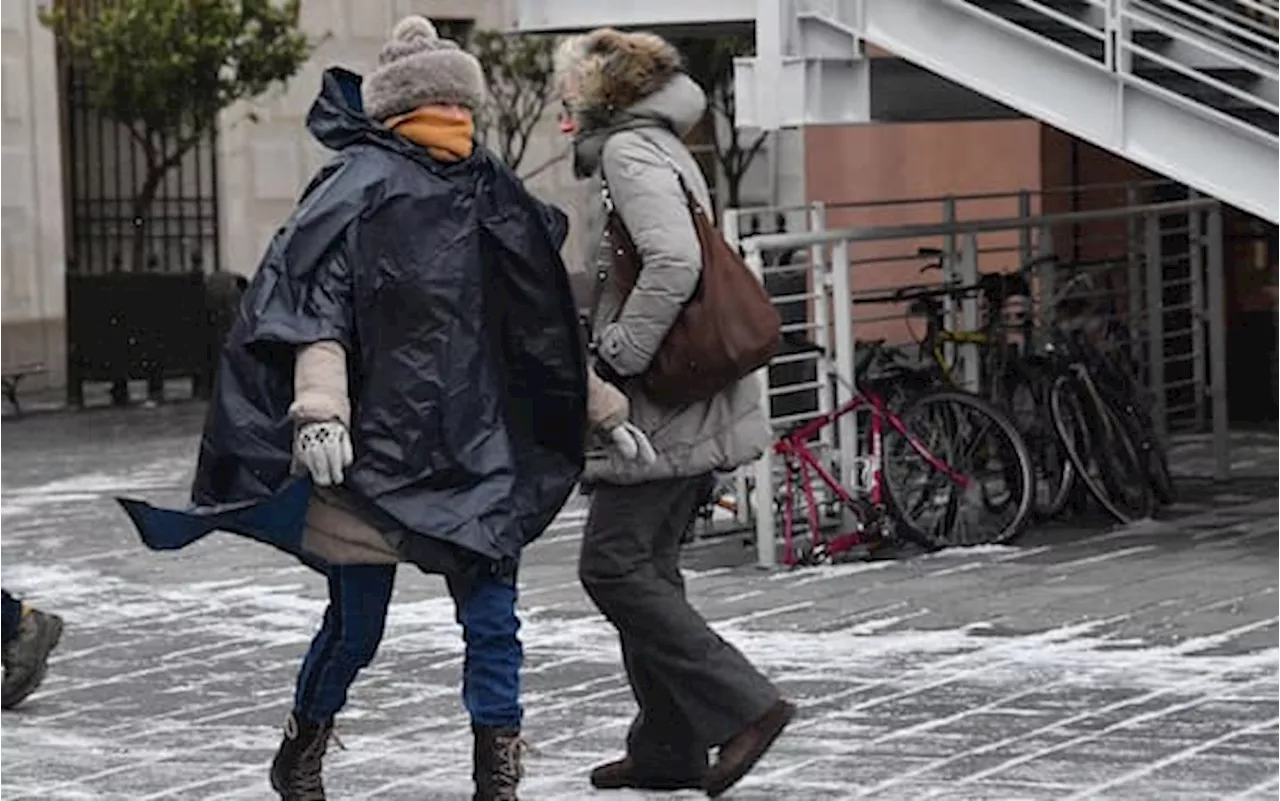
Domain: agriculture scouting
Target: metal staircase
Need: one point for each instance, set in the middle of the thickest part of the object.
(1187, 88)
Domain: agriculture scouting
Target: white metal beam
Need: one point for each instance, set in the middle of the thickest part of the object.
(1143, 123)
(556, 16)
(1153, 130)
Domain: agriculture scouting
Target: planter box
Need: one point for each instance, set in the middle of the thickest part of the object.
(146, 326)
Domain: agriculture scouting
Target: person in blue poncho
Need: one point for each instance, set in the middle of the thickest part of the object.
(404, 382)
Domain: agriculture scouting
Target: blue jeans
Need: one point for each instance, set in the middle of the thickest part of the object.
(353, 625)
(12, 616)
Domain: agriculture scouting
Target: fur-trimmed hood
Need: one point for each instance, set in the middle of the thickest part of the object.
(607, 71)
(613, 81)
(676, 107)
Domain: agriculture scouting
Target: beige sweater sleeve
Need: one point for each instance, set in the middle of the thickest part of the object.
(607, 407)
(320, 392)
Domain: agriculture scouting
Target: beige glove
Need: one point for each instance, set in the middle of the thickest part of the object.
(321, 411)
(320, 391)
(607, 411)
(607, 407)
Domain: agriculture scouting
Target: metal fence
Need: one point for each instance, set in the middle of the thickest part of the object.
(106, 168)
(1155, 269)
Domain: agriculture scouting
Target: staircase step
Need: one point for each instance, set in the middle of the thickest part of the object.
(1211, 96)
(1215, 34)
(1041, 24)
(1012, 9)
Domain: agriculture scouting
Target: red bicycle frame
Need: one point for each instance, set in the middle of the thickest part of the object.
(799, 459)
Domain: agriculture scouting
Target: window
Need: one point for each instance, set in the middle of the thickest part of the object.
(459, 30)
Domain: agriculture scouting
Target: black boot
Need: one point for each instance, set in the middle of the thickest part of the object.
(497, 758)
(26, 656)
(295, 772)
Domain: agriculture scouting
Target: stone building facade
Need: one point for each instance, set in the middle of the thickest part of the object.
(264, 158)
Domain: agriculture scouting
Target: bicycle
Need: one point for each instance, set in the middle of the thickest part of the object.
(924, 435)
(1095, 407)
(1009, 380)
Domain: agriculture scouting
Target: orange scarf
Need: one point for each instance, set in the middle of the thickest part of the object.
(447, 137)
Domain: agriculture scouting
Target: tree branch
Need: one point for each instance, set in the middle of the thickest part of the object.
(749, 154)
(548, 164)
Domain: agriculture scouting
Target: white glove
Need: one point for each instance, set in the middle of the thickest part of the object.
(324, 449)
(633, 444)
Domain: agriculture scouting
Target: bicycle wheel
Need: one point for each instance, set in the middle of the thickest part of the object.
(961, 475)
(1132, 405)
(1026, 389)
(1154, 457)
(1100, 447)
(1158, 471)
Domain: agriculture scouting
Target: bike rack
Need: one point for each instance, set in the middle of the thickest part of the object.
(834, 256)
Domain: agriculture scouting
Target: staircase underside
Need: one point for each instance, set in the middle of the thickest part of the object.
(1148, 124)
(962, 63)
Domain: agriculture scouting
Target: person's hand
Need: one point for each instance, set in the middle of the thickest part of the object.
(632, 443)
(324, 449)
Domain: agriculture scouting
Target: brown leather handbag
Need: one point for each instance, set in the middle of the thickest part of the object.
(728, 329)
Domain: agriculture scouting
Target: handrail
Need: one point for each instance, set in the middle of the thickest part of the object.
(994, 18)
(1209, 42)
(768, 242)
(1041, 192)
(1064, 19)
(1208, 80)
(1228, 19)
(1187, 22)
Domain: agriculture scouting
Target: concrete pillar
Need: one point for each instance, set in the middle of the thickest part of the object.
(32, 249)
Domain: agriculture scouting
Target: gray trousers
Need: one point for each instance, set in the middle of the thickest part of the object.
(694, 690)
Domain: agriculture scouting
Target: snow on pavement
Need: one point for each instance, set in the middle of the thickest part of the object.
(1138, 663)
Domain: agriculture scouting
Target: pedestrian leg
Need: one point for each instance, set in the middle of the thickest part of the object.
(347, 642)
(486, 609)
(629, 567)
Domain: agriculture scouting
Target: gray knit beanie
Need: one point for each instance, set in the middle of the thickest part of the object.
(417, 68)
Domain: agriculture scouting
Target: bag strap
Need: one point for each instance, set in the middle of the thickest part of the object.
(684, 185)
(611, 210)
(597, 294)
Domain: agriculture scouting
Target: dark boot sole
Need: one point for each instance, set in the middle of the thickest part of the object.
(48, 642)
(716, 786)
(275, 785)
(662, 785)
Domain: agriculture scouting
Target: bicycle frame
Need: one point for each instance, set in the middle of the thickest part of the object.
(800, 460)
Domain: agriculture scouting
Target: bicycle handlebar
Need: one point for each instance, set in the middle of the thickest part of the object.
(1083, 279)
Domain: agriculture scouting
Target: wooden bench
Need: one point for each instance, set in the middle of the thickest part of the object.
(11, 377)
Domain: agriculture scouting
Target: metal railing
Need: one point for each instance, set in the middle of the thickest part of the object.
(1194, 37)
(1157, 270)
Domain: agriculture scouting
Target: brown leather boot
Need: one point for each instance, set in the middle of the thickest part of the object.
(622, 774)
(295, 771)
(741, 753)
(498, 762)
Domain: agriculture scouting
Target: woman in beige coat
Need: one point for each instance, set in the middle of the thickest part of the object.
(627, 106)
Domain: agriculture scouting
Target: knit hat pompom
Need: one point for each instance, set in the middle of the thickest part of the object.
(413, 28)
(418, 68)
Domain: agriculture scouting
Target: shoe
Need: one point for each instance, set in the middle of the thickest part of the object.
(26, 656)
(622, 775)
(741, 753)
(497, 762)
(296, 769)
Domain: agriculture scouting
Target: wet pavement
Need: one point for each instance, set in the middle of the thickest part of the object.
(1086, 662)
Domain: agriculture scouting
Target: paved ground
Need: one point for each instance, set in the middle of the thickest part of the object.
(1084, 664)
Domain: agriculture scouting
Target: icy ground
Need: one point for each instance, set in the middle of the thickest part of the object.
(1085, 663)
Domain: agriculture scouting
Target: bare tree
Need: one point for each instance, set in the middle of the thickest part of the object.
(518, 71)
(710, 63)
(165, 69)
